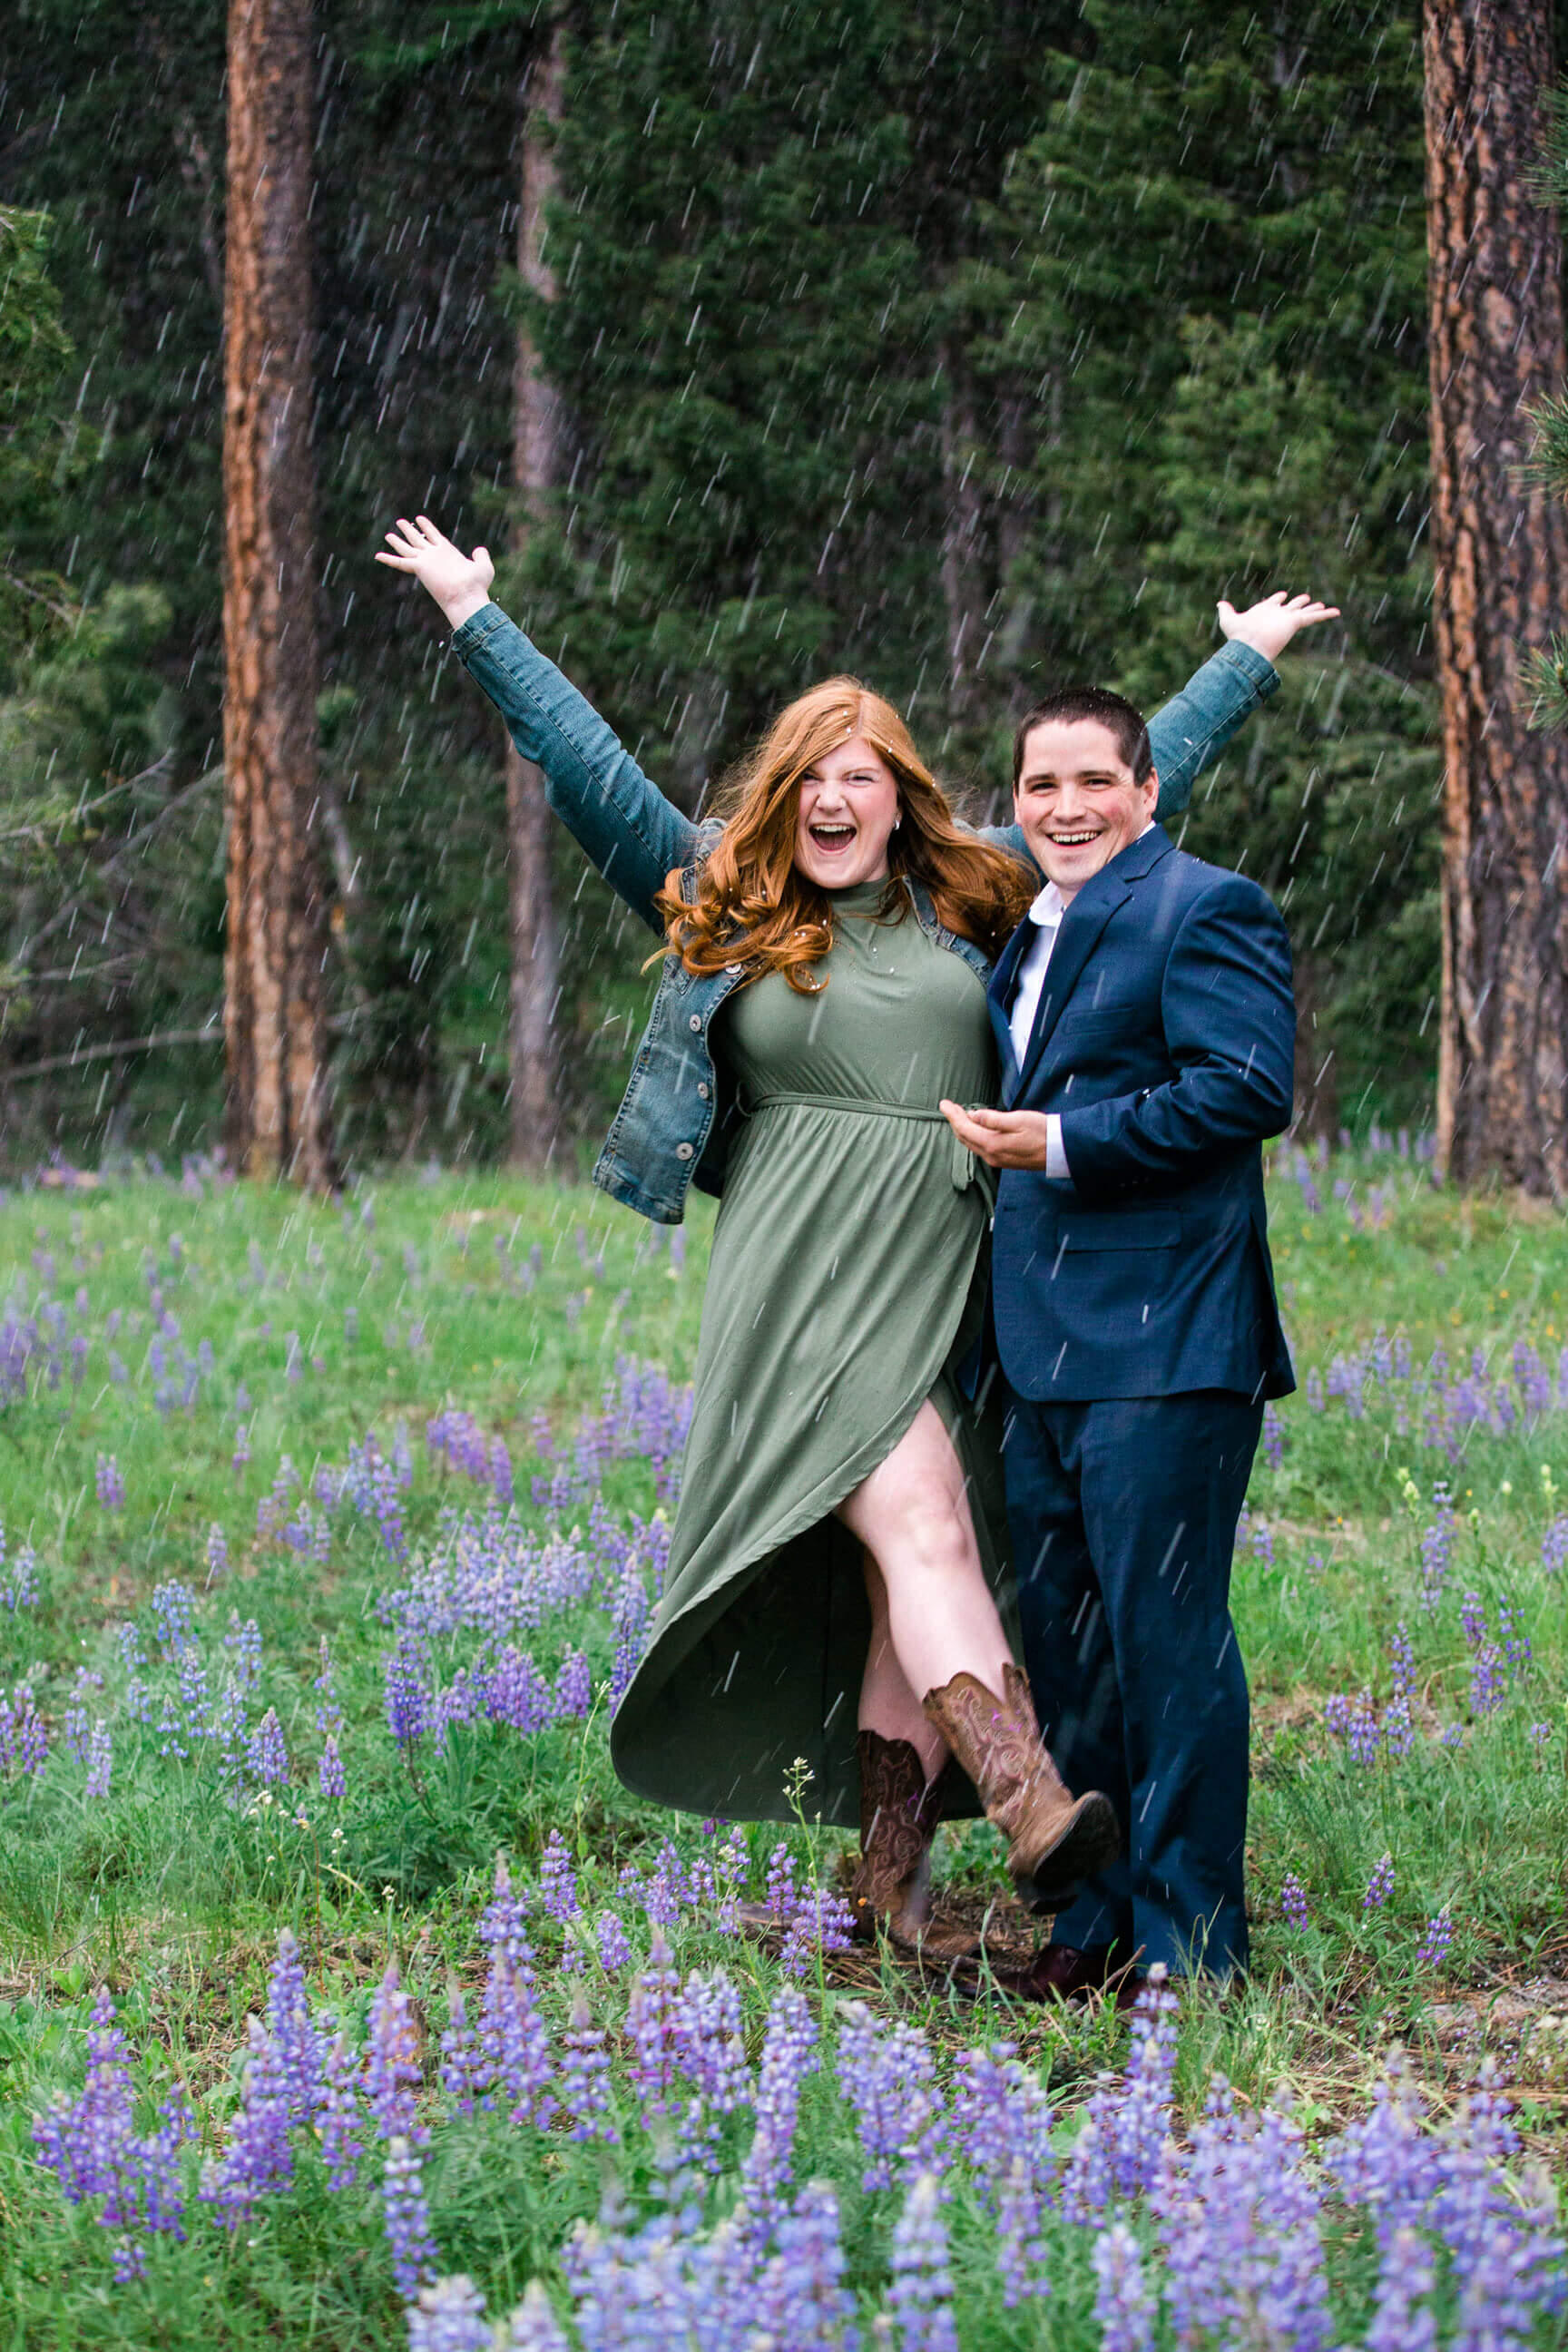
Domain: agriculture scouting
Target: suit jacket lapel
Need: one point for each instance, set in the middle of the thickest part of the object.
(1087, 915)
(1080, 929)
(996, 996)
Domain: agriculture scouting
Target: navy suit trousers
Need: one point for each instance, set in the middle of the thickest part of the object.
(1123, 1517)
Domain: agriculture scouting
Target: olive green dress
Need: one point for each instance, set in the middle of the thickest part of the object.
(846, 1281)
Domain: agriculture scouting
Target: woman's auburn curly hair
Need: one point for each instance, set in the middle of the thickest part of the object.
(752, 904)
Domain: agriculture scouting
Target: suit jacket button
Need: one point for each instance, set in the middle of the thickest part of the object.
(684, 1151)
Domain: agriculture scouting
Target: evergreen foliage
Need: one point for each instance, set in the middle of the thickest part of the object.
(964, 353)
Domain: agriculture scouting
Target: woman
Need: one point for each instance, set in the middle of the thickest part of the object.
(840, 1544)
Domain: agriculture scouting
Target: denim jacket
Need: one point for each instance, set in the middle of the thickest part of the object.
(676, 1120)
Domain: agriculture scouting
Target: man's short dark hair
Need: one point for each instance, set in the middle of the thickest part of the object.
(1123, 718)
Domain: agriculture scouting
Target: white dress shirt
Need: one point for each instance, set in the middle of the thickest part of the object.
(1028, 986)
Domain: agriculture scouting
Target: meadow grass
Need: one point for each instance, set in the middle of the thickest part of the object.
(152, 1322)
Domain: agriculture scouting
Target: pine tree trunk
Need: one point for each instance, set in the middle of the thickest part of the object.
(273, 988)
(538, 434)
(1499, 544)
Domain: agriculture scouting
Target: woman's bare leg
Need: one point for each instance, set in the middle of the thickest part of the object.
(888, 1705)
(933, 1616)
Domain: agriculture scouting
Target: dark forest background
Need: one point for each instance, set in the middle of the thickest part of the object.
(968, 348)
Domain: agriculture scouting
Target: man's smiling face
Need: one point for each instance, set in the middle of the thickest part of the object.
(1077, 801)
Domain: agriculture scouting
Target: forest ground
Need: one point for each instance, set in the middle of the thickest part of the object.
(149, 1321)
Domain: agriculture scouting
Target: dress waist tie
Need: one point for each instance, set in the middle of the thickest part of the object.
(965, 1167)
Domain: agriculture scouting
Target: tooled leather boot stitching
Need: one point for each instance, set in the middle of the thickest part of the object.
(899, 1811)
(997, 1742)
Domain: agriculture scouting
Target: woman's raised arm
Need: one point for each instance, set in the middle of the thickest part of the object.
(629, 831)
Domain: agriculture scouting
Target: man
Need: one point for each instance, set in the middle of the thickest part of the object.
(1144, 1012)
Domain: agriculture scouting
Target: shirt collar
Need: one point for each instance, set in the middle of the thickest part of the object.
(1048, 907)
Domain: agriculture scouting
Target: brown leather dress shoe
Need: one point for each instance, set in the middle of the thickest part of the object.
(1062, 1972)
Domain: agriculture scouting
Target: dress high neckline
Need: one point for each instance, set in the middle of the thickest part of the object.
(858, 898)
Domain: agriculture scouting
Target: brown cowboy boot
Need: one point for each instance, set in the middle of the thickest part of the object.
(899, 1810)
(997, 1742)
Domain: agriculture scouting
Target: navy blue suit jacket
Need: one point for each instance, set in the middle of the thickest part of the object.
(1165, 1040)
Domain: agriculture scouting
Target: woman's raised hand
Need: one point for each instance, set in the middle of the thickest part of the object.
(460, 583)
(1270, 626)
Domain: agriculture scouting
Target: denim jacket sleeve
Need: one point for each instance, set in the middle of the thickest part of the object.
(622, 822)
(1191, 729)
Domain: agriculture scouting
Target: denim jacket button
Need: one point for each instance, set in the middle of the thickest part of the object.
(731, 968)
(684, 1151)
(701, 1089)
(695, 1021)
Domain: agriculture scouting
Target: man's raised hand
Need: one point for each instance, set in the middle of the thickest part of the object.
(460, 583)
(1268, 627)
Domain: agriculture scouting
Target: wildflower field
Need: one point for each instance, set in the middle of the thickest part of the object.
(346, 1999)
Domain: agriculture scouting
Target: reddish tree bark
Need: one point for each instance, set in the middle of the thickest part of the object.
(273, 986)
(538, 441)
(1499, 543)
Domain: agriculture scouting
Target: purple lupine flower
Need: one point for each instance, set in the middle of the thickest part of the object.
(1434, 1950)
(1402, 2319)
(789, 2055)
(173, 1607)
(1437, 1548)
(1539, 1733)
(450, 2317)
(109, 1484)
(99, 1762)
(259, 2158)
(1263, 1541)
(341, 2112)
(91, 2146)
(583, 2075)
(330, 1778)
(650, 2025)
(1240, 2224)
(783, 1895)
(1380, 1886)
(407, 1700)
(1515, 1639)
(919, 2294)
(1398, 1728)
(462, 2068)
(801, 2298)
(574, 1687)
(1293, 1900)
(515, 2039)
(266, 1757)
(294, 2033)
(391, 2070)
(1401, 1658)
(888, 2077)
(1125, 2304)
(823, 1923)
(1473, 1621)
(533, 2326)
(612, 1942)
(216, 1552)
(406, 2217)
(1273, 1436)
(1554, 1545)
(1363, 1734)
(558, 1882)
(24, 1735)
(501, 1928)
(1002, 2120)
(1489, 1683)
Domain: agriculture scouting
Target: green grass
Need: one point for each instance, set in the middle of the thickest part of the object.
(173, 1892)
